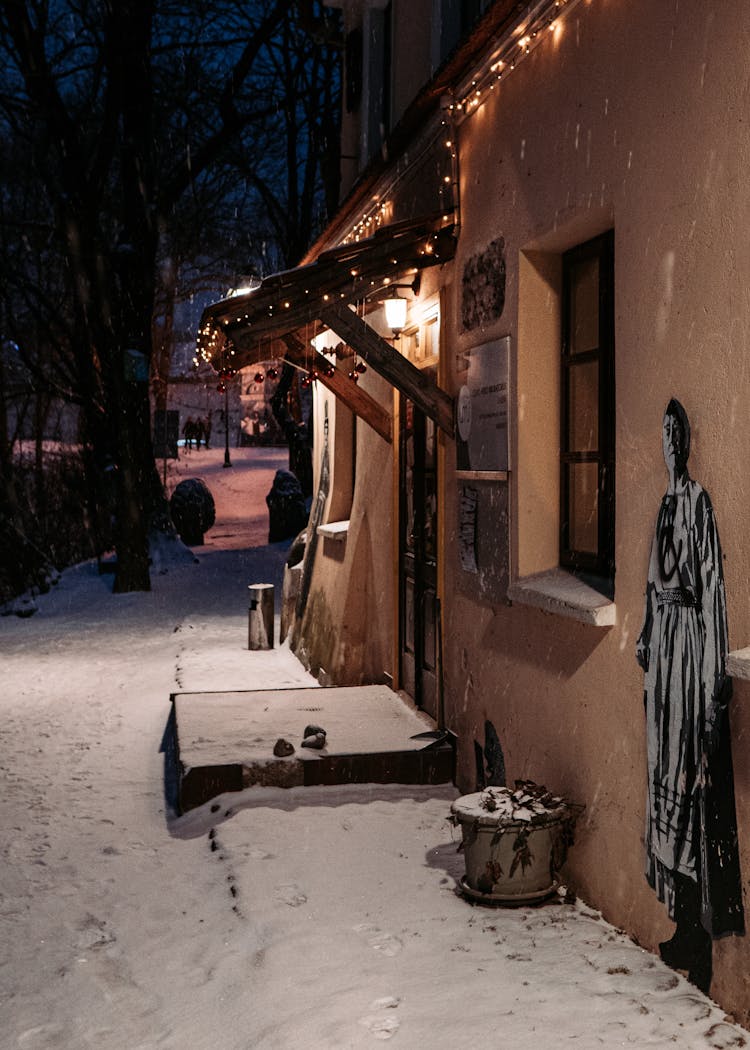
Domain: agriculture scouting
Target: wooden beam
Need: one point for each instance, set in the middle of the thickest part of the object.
(398, 370)
(287, 301)
(355, 399)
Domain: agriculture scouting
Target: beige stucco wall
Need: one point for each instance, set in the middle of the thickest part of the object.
(633, 116)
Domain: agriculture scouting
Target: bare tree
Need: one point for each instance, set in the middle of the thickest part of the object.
(133, 120)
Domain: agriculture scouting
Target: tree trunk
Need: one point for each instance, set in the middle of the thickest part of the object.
(8, 493)
(133, 476)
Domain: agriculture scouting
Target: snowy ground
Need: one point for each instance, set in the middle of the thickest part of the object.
(315, 918)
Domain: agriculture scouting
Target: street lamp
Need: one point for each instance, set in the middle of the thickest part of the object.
(227, 460)
(223, 388)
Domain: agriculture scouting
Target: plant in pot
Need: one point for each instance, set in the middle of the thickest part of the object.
(514, 841)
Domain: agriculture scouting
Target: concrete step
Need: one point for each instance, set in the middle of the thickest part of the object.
(224, 741)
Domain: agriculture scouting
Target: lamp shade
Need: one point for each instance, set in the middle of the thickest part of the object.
(395, 313)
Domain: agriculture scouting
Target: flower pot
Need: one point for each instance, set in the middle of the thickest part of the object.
(513, 843)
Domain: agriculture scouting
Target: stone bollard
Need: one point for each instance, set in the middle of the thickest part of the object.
(260, 616)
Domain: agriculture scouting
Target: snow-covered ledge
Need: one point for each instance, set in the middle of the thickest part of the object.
(563, 594)
(738, 663)
(334, 530)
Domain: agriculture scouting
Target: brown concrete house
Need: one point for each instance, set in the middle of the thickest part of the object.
(558, 192)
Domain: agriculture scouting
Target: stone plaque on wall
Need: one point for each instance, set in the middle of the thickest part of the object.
(482, 411)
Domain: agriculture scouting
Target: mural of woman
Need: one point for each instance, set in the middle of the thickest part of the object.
(692, 858)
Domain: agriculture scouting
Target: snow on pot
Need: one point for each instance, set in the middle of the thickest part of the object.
(514, 841)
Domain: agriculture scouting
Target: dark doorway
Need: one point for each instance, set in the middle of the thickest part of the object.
(418, 539)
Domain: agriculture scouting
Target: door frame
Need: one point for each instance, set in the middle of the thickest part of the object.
(435, 585)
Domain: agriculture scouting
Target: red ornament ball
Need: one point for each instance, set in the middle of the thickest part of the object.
(258, 377)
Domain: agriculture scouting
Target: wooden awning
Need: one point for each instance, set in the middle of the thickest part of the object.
(242, 330)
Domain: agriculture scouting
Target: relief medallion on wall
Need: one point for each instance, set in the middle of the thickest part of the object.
(483, 286)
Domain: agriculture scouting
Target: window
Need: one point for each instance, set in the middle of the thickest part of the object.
(376, 87)
(587, 458)
(454, 20)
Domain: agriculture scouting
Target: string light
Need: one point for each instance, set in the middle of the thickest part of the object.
(528, 33)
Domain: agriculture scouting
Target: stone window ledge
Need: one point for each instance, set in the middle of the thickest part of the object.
(562, 594)
(738, 663)
(334, 530)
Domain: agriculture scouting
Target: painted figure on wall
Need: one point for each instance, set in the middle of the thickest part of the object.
(692, 859)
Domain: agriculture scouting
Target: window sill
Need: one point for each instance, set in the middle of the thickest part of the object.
(738, 663)
(334, 530)
(562, 594)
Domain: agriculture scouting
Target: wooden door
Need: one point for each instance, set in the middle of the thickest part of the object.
(418, 519)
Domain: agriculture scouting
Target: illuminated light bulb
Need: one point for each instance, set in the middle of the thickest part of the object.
(395, 313)
(221, 387)
(354, 376)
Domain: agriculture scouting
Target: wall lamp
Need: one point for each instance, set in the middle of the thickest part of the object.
(396, 306)
(395, 313)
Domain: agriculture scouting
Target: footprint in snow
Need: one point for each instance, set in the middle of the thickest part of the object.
(43, 1035)
(380, 940)
(290, 894)
(260, 854)
(382, 1024)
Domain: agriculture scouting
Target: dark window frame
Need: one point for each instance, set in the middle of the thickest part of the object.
(599, 564)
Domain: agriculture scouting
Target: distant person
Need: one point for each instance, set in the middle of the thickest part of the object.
(207, 430)
(199, 432)
(188, 432)
(692, 857)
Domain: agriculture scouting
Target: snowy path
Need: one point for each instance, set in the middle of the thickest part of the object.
(114, 933)
(317, 918)
(239, 491)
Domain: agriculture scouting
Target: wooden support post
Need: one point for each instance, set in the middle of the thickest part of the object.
(355, 399)
(389, 363)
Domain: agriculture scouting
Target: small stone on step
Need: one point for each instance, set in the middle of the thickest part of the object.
(282, 748)
(315, 741)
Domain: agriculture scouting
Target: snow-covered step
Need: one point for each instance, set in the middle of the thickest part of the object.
(225, 741)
